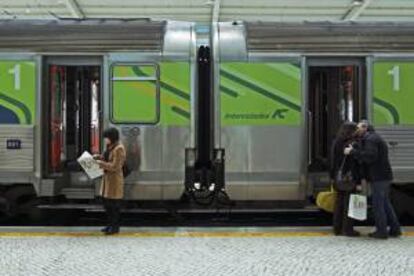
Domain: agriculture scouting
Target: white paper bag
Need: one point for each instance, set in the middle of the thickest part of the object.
(90, 166)
(357, 207)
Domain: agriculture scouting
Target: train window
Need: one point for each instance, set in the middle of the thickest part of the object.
(135, 94)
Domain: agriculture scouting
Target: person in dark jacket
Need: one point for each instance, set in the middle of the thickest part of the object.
(373, 154)
(342, 224)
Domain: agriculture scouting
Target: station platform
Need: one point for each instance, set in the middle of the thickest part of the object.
(201, 251)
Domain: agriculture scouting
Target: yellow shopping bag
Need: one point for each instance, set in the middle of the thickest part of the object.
(326, 200)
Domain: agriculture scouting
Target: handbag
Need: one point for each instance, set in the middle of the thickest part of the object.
(344, 181)
(126, 170)
(358, 206)
(326, 200)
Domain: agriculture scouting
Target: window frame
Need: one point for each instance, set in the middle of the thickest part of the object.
(155, 78)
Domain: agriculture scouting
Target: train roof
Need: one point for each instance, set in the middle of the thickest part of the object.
(330, 37)
(81, 35)
(111, 35)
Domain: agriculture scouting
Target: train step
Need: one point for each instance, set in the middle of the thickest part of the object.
(79, 192)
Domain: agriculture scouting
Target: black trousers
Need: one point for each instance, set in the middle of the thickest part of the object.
(342, 224)
(112, 209)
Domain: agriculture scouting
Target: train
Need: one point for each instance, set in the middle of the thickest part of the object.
(244, 109)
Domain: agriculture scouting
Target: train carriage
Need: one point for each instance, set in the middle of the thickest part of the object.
(63, 82)
(284, 89)
(245, 108)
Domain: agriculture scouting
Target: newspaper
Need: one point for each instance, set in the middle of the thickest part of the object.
(90, 166)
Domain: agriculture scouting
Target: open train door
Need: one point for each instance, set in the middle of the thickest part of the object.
(335, 94)
(393, 117)
(72, 123)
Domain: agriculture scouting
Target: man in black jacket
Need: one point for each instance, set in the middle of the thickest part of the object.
(373, 154)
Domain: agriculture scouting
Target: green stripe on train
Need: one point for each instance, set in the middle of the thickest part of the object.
(393, 87)
(260, 93)
(18, 89)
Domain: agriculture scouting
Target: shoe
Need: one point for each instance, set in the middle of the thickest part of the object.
(377, 235)
(395, 234)
(112, 231)
(105, 229)
(353, 234)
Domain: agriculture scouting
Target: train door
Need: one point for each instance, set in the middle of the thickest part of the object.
(334, 96)
(73, 101)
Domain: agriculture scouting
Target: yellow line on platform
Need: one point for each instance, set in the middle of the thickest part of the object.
(173, 234)
(167, 234)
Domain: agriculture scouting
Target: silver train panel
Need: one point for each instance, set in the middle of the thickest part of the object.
(262, 148)
(157, 152)
(400, 141)
(262, 162)
(232, 45)
(174, 141)
(156, 156)
(150, 148)
(178, 40)
(19, 159)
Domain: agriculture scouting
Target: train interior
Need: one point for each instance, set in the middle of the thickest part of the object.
(73, 120)
(334, 97)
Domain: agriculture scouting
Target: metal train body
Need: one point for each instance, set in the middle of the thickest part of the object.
(271, 113)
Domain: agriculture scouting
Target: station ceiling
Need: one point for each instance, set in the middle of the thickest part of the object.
(213, 10)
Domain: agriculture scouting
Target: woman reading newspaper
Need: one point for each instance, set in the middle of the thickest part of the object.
(112, 187)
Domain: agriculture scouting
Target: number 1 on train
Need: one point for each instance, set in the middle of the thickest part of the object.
(395, 73)
(16, 72)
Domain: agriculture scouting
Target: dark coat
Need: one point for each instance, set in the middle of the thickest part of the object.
(336, 158)
(373, 155)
